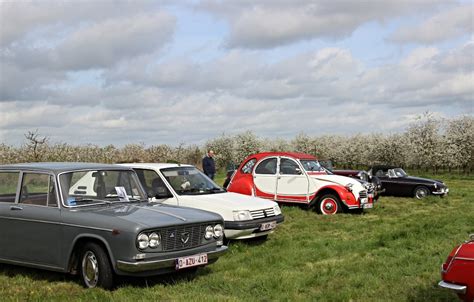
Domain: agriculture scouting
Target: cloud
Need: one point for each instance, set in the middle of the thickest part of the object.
(446, 25)
(266, 24)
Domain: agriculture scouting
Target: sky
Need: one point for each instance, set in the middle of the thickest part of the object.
(173, 72)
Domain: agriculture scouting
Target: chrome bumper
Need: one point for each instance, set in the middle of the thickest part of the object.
(458, 289)
(441, 192)
(143, 266)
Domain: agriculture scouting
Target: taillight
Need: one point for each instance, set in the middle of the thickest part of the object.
(447, 263)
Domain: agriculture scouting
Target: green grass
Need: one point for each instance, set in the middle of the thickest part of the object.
(390, 253)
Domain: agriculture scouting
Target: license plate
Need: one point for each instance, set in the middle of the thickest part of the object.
(268, 226)
(191, 261)
(368, 205)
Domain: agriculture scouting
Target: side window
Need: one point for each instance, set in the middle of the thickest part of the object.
(247, 168)
(34, 189)
(8, 185)
(152, 182)
(288, 166)
(268, 166)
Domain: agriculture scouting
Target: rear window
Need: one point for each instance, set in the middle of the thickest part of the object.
(8, 185)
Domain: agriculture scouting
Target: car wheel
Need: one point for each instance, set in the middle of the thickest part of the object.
(421, 192)
(95, 269)
(329, 205)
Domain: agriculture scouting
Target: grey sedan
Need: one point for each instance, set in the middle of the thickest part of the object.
(94, 220)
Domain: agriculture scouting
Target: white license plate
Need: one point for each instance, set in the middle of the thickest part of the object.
(368, 205)
(268, 226)
(191, 261)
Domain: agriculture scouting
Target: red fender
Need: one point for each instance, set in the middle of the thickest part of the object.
(346, 197)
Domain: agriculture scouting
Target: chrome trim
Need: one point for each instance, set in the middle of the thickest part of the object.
(31, 264)
(57, 223)
(463, 258)
(458, 289)
(141, 266)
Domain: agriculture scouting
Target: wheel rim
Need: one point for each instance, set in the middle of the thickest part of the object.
(328, 206)
(90, 269)
(421, 193)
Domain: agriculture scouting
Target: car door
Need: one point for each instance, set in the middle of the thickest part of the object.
(292, 182)
(265, 178)
(36, 229)
(390, 184)
(155, 185)
(9, 181)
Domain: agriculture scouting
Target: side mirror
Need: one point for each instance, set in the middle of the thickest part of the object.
(162, 193)
(298, 170)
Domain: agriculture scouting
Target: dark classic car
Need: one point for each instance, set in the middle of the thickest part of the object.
(95, 220)
(396, 182)
(457, 272)
(376, 185)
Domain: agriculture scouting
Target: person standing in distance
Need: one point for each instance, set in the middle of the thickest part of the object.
(208, 164)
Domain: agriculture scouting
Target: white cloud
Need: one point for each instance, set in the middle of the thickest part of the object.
(446, 25)
(266, 24)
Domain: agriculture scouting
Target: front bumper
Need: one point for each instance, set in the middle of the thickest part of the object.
(458, 289)
(251, 224)
(164, 265)
(442, 191)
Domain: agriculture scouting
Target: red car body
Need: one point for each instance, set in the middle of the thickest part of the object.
(298, 178)
(457, 273)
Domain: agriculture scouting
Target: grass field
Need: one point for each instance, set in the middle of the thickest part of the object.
(390, 253)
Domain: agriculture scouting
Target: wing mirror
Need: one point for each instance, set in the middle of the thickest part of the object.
(298, 170)
(160, 193)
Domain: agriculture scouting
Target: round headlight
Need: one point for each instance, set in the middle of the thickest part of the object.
(349, 187)
(154, 240)
(209, 232)
(218, 231)
(143, 241)
(277, 210)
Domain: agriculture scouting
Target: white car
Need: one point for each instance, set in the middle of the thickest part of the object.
(184, 185)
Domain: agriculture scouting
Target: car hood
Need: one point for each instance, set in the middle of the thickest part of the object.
(225, 203)
(420, 180)
(338, 179)
(147, 215)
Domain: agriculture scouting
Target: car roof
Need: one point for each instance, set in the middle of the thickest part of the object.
(155, 166)
(288, 154)
(384, 167)
(58, 167)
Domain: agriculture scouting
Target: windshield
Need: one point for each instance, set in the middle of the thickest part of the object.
(190, 181)
(90, 187)
(397, 172)
(312, 165)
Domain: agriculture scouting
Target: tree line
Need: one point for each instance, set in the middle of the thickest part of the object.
(428, 143)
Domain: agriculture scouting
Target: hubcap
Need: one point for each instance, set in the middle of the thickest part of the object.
(329, 206)
(90, 269)
(421, 193)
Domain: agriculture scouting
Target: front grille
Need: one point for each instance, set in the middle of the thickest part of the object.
(182, 237)
(363, 194)
(262, 213)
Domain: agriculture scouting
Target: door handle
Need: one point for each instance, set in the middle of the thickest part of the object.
(16, 208)
(278, 177)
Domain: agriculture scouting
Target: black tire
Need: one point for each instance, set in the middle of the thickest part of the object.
(329, 204)
(421, 192)
(94, 267)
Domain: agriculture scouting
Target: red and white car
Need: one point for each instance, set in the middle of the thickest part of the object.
(458, 271)
(298, 178)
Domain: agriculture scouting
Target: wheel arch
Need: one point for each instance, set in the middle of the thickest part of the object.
(331, 189)
(77, 245)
